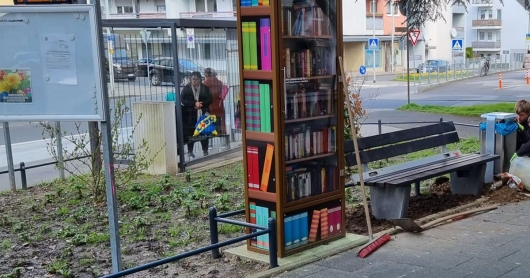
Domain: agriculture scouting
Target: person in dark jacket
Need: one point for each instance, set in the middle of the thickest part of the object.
(522, 109)
(196, 100)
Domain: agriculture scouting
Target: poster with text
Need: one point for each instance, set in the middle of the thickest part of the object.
(15, 86)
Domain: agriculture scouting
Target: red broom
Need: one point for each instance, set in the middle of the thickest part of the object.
(372, 245)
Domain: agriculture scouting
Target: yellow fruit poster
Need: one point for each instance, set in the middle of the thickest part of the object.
(15, 86)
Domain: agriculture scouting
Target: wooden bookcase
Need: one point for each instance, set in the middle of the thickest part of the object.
(292, 107)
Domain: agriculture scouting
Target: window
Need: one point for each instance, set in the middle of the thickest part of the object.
(161, 8)
(373, 6)
(490, 36)
(125, 9)
(200, 6)
(481, 36)
(499, 14)
(483, 14)
(490, 14)
(390, 8)
(207, 51)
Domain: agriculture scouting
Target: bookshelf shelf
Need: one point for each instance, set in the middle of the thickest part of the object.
(256, 11)
(260, 136)
(263, 196)
(313, 157)
(308, 119)
(292, 103)
(257, 74)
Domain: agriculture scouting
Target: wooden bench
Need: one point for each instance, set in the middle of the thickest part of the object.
(390, 186)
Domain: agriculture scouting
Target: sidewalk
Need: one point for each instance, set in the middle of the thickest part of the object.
(493, 244)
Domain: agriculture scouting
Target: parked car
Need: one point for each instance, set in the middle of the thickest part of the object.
(161, 70)
(143, 65)
(433, 66)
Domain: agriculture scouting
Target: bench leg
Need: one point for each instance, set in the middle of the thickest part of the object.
(390, 202)
(469, 181)
(417, 189)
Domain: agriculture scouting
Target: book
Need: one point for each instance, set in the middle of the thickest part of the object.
(324, 223)
(267, 168)
(252, 211)
(265, 37)
(245, 28)
(253, 45)
(315, 220)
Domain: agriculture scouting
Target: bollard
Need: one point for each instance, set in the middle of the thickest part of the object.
(23, 176)
(500, 80)
(379, 127)
(214, 234)
(273, 247)
(527, 79)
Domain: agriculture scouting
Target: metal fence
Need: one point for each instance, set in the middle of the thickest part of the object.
(439, 72)
(142, 70)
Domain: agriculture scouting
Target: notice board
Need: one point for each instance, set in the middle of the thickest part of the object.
(50, 64)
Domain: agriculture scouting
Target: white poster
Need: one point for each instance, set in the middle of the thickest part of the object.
(59, 59)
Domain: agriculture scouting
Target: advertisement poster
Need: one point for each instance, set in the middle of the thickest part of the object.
(15, 86)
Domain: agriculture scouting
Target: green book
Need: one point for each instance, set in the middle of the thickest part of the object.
(263, 107)
(268, 122)
(246, 44)
(253, 46)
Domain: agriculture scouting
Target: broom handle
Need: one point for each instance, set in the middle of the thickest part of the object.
(443, 219)
(356, 146)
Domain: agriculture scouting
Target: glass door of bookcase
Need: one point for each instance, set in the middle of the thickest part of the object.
(309, 49)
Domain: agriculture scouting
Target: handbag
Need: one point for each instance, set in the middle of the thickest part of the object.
(206, 125)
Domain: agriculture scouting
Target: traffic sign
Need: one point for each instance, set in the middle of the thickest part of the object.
(111, 39)
(362, 70)
(413, 36)
(527, 39)
(373, 44)
(457, 45)
(190, 42)
(145, 35)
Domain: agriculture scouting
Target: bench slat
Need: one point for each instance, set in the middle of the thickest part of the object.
(436, 170)
(399, 136)
(401, 149)
(426, 167)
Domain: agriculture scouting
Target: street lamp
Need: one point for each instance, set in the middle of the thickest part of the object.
(374, 3)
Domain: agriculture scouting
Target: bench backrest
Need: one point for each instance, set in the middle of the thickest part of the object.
(387, 145)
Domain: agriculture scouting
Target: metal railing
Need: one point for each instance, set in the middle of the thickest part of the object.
(215, 244)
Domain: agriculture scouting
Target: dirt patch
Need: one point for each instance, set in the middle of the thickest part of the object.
(438, 199)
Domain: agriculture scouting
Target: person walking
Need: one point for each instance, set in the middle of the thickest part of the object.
(526, 63)
(216, 88)
(196, 100)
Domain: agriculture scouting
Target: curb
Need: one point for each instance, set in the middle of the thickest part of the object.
(392, 231)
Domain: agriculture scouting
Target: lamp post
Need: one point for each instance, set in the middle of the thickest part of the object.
(392, 9)
(374, 3)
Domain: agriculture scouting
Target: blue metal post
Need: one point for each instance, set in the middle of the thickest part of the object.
(214, 234)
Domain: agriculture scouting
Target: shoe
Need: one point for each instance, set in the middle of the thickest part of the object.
(191, 155)
(205, 153)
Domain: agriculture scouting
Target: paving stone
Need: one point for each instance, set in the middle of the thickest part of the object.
(434, 272)
(334, 273)
(521, 220)
(409, 240)
(492, 227)
(302, 272)
(481, 267)
(500, 217)
(385, 270)
(348, 261)
(518, 272)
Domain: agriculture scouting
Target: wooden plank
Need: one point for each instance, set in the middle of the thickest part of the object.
(424, 168)
(435, 172)
(400, 149)
(400, 136)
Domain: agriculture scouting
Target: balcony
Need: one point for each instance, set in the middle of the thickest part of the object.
(482, 3)
(138, 15)
(486, 23)
(230, 14)
(369, 14)
(486, 46)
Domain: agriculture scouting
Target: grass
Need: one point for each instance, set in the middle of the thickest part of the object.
(468, 110)
(431, 75)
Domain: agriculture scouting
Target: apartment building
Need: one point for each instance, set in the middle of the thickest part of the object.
(361, 21)
(497, 30)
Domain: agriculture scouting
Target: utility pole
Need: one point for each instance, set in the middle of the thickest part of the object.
(374, 5)
(392, 9)
(408, 53)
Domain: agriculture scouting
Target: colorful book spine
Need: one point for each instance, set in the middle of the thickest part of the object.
(255, 167)
(250, 167)
(246, 45)
(288, 232)
(252, 105)
(267, 168)
(324, 223)
(263, 107)
(268, 119)
(252, 207)
(265, 37)
(253, 46)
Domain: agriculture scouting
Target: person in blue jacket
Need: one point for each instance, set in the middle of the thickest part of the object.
(522, 109)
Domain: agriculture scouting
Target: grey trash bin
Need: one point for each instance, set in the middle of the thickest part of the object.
(493, 143)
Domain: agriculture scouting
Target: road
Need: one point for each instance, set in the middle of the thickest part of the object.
(386, 94)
